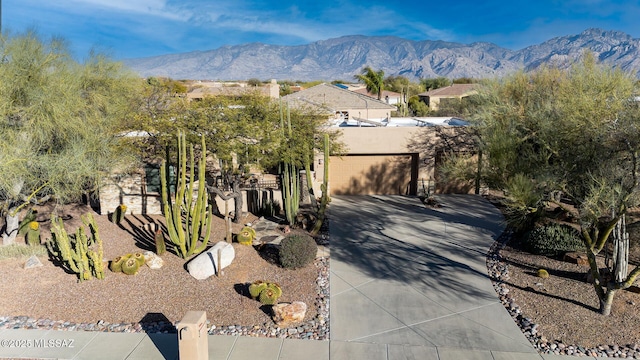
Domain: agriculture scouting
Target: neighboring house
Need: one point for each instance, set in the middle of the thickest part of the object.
(433, 98)
(342, 106)
(389, 97)
(203, 89)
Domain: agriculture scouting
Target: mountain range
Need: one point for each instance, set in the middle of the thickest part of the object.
(341, 58)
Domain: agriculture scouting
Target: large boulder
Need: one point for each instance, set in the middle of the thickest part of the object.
(206, 264)
(287, 315)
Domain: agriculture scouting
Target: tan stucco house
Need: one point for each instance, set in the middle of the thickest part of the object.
(340, 104)
(455, 91)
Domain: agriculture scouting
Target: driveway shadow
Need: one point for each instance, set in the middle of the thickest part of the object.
(398, 238)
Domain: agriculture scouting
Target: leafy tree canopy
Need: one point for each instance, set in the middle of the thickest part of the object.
(58, 121)
(565, 133)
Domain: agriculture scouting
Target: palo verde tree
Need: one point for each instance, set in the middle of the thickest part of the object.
(566, 133)
(373, 80)
(57, 123)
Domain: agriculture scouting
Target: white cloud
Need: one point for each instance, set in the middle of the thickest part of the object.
(152, 8)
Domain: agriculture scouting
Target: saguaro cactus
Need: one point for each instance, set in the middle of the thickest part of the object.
(188, 219)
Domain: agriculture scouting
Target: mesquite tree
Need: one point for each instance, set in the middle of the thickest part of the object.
(57, 123)
(572, 134)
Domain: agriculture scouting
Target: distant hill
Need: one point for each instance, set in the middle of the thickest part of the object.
(341, 58)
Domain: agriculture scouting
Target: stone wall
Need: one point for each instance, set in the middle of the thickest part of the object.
(130, 190)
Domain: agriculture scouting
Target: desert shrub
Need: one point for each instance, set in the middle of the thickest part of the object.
(553, 239)
(297, 251)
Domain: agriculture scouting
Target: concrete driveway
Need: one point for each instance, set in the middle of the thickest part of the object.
(408, 282)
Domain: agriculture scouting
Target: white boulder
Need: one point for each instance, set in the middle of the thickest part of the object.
(206, 264)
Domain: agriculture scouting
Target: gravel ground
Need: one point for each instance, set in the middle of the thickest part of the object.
(559, 314)
(154, 300)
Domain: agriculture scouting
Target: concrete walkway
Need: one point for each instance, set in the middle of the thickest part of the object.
(406, 283)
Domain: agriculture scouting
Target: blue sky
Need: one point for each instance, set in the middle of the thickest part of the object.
(140, 28)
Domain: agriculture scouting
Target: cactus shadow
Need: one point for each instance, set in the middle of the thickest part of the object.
(268, 310)
(142, 228)
(269, 252)
(243, 289)
(59, 262)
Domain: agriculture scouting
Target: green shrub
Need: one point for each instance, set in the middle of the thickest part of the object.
(297, 251)
(553, 240)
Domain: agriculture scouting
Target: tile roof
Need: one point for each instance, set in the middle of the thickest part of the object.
(452, 90)
(388, 93)
(330, 97)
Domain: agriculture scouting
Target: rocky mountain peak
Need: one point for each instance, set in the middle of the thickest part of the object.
(341, 58)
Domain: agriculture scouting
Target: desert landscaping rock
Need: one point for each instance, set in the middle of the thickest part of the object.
(576, 258)
(206, 264)
(32, 262)
(315, 329)
(287, 315)
(152, 260)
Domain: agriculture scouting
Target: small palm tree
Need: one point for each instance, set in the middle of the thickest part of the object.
(374, 80)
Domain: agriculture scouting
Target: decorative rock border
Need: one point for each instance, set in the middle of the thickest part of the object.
(499, 273)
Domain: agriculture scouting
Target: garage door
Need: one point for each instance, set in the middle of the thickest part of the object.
(373, 174)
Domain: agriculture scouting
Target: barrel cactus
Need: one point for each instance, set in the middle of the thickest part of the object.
(256, 288)
(33, 233)
(116, 264)
(161, 245)
(246, 235)
(139, 258)
(542, 273)
(271, 294)
(118, 214)
(130, 266)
